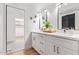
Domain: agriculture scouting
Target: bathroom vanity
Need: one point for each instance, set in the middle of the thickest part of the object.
(55, 43)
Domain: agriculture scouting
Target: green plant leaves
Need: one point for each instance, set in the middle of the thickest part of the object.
(47, 24)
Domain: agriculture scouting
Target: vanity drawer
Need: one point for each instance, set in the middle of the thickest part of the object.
(41, 37)
(34, 34)
(73, 45)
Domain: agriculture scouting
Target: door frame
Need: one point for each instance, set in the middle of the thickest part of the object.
(6, 22)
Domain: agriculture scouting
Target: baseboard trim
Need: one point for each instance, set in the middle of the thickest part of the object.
(2, 53)
(19, 50)
(35, 50)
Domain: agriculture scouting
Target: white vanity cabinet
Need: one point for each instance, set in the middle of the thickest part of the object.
(54, 45)
(35, 43)
(38, 42)
(48, 47)
(42, 45)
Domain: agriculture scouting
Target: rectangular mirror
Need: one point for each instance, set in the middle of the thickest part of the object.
(69, 16)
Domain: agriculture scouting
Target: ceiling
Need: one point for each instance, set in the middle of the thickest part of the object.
(32, 8)
(33, 5)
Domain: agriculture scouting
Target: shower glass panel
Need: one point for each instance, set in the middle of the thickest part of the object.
(15, 29)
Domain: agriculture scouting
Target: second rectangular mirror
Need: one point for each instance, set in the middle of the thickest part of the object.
(69, 16)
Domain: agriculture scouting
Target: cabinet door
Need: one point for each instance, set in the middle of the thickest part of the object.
(41, 50)
(38, 43)
(35, 41)
(48, 46)
(73, 45)
(53, 46)
(66, 51)
(42, 45)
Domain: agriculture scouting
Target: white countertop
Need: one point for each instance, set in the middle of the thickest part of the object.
(72, 36)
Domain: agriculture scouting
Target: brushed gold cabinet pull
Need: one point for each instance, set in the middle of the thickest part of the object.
(57, 50)
(54, 48)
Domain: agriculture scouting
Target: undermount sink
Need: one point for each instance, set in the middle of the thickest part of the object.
(61, 32)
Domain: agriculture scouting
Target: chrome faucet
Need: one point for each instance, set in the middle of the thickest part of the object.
(65, 29)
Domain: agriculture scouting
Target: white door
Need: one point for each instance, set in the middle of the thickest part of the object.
(1, 29)
(15, 29)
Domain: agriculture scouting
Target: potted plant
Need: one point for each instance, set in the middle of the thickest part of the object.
(47, 26)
